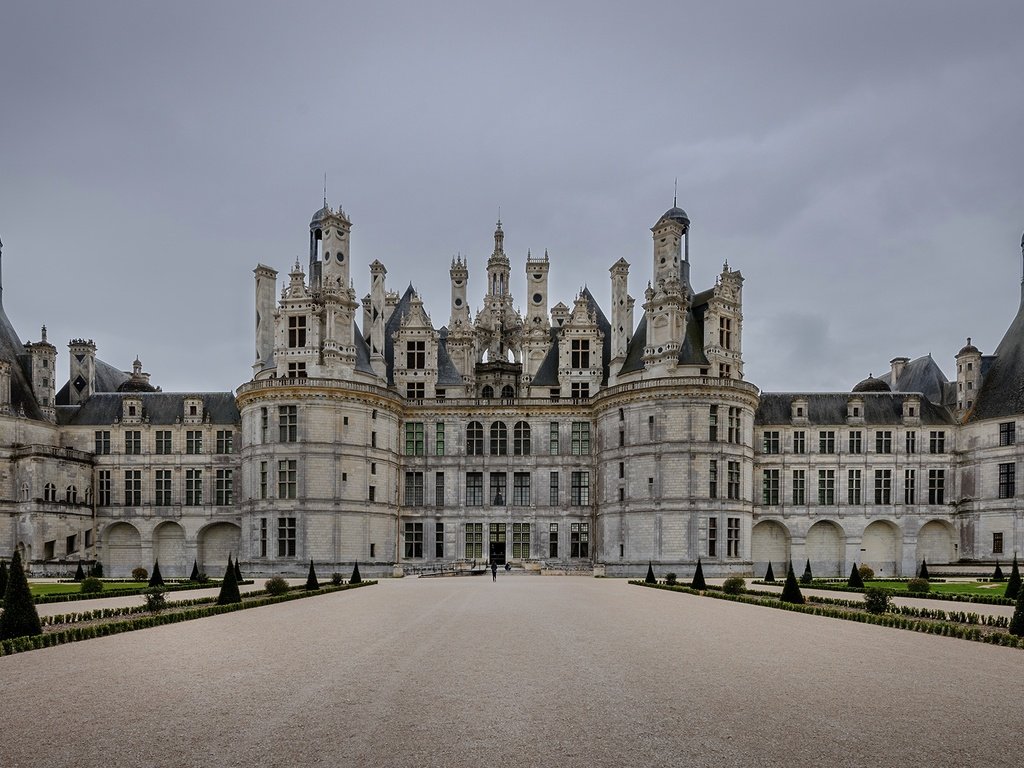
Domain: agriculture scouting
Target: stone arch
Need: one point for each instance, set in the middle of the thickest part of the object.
(217, 542)
(169, 549)
(824, 546)
(935, 543)
(880, 548)
(769, 542)
(122, 550)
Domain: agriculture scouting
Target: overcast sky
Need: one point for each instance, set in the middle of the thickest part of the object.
(861, 163)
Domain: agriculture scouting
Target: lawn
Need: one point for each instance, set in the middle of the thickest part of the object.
(990, 588)
(49, 588)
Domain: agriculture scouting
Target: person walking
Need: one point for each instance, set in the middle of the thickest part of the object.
(494, 571)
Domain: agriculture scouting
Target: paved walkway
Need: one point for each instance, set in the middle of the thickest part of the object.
(560, 672)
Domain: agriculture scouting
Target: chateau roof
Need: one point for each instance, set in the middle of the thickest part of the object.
(10, 350)
(157, 408)
(107, 379)
(880, 408)
(547, 371)
(447, 374)
(1002, 389)
(691, 352)
(871, 384)
(921, 375)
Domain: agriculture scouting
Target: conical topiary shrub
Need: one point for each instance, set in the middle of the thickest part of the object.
(229, 587)
(923, 572)
(97, 570)
(998, 575)
(698, 578)
(19, 616)
(156, 580)
(356, 579)
(195, 571)
(238, 572)
(3, 578)
(807, 577)
(311, 581)
(855, 581)
(79, 572)
(1017, 621)
(650, 574)
(791, 591)
(1013, 583)
(769, 575)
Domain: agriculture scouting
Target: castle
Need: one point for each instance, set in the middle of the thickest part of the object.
(565, 437)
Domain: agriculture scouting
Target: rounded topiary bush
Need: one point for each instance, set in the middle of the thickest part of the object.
(734, 585)
(91, 585)
(867, 573)
(876, 600)
(670, 579)
(336, 579)
(918, 585)
(275, 585)
(140, 574)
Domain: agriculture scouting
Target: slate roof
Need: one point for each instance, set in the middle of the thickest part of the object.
(1002, 389)
(830, 408)
(921, 375)
(447, 373)
(692, 350)
(362, 351)
(392, 325)
(547, 371)
(11, 349)
(157, 407)
(108, 379)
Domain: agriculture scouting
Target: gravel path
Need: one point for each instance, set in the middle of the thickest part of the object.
(560, 672)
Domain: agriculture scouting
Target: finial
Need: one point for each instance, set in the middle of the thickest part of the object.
(325, 189)
(529, 254)
(545, 254)
(44, 333)
(968, 341)
(675, 192)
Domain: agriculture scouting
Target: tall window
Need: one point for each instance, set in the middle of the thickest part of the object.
(263, 537)
(799, 487)
(133, 442)
(553, 438)
(297, 331)
(735, 426)
(287, 478)
(263, 479)
(1007, 435)
(414, 489)
(580, 353)
(439, 439)
(770, 487)
(883, 486)
(162, 487)
(49, 492)
(163, 441)
(579, 540)
(580, 489)
(580, 438)
(936, 486)
(937, 441)
(733, 479)
(414, 445)
(911, 442)
(713, 424)
(997, 543)
(800, 442)
(499, 439)
(770, 442)
(853, 486)
(413, 540)
(475, 439)
(725, 333)
(224, 488)
(415, 355)
(826, 441)
(1007, 480)
(732, 537)
(194, 441)
(499, 490)
(553, 489)
(521, 439)
(103, 488)
(856, 442)
(439, 540)
(286, 537)
(474, 541)
(553, 540)
(521, 489)
(474, 489)
(264, 425)
(826, 486)
(520, 540)
(883, 441)
(909, 486)
(713, 479)
(287, 423)
(712, 537)
(193, 487)
(225, 441)
(133, 488)
(102, 441)
(439, 489)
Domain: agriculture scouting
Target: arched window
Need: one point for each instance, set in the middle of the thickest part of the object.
(49, 492)
(71, 495)
(475, 439)
(24, 491)
(499, 439)
(508, 392)
(487, 392)
(88, 495)
(521, 439)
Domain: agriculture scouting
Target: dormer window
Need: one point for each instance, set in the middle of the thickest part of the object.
(580, 353)
(297, 331)
(415, 355)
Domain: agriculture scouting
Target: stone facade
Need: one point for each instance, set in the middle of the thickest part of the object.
(553, 439)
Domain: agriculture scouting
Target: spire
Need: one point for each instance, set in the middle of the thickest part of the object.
(675, 192)
(325, 189)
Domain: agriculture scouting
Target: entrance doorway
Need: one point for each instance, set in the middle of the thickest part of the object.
(497, 541)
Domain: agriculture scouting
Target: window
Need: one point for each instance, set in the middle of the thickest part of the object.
(287, 478)
(936, 486)
(413, 540)
(288, 423)
(414, 445)
(799, 487)
(553, 540)
(474, 489)
(732, 537)
(712, 537)
(103, 488)
(102, 441)
(853, 487)
(263, 537)
(50, 492)
(193, 441)
(414, 489)
(770, 487)
(416, 390)
(438, 540)
(725, 333)
(163, 441)
(286, 537)
(733, 479)
(713, 424)
(264, 425)
(553, 489)
(371, 493)
(713, 479)
(911, 442)
(937, 442)
(224, 490)
(439, 489)
(856, 443)
(735, 426)
(579, 390)
(770, 443)
(909, 486)
(622, 438)
(883, 441)
(225, 441)
(579, 540)
(193, 487)
(508, 392)
(497, 536)
(1007, 436)
(800, 442)
(263, 479)
(296, 332)
(162, 487)
(579, 489)
(826, 486)
(521, 439)
(580, 438)
(373, 439)
(475, 439)
(521, 489)
(498, 488)
(883, 486)
(133, 488)
(499, 439)
(1007, 480)
(416, 355)
(997, 543)
(553, 438)
(474, 541)
(580, 353)
(71, 494)
(133, 442)
(487, 392)
(826, 441)
(439, 439)
(520, 541)
(71, 544)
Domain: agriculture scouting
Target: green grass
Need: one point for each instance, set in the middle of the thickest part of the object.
(991, 588)
(70, 587)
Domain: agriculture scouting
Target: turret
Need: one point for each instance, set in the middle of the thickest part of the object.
(329, 248)
(622, 310)
(672, 246)
(266, 283)
(968, 376)
(378, 299)
(536, 334)
(42, 361)
(82, 373)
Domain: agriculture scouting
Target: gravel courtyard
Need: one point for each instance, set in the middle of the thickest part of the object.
(528, 671)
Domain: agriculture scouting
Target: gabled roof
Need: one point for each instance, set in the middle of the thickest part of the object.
(691, 352)
(392, 325)
(157, 408)
(447, 374)
(921, 375)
